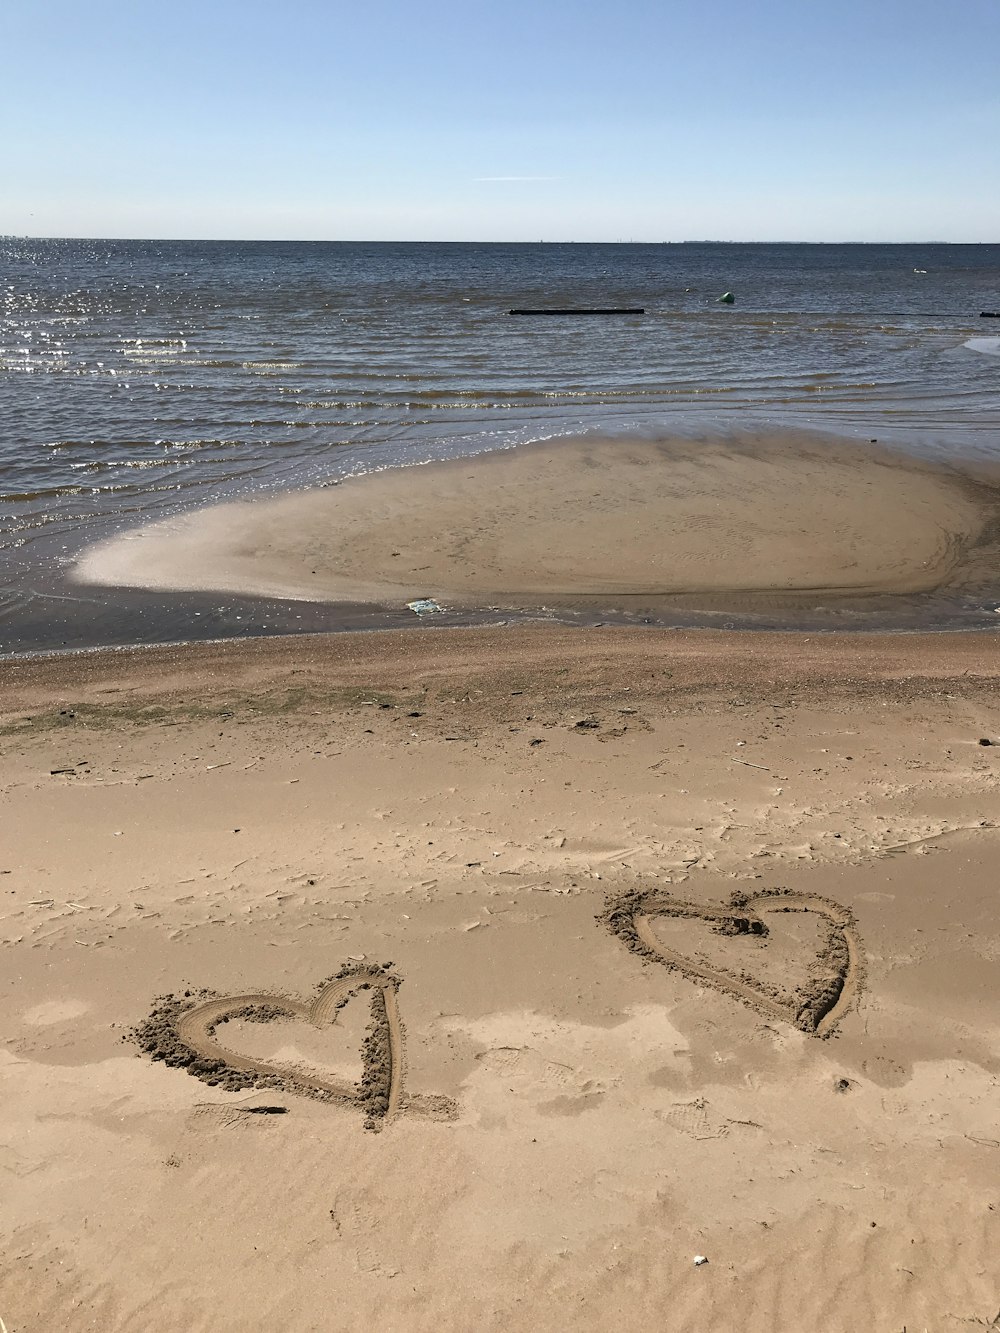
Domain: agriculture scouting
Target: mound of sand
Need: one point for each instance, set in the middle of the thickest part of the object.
(788, 515)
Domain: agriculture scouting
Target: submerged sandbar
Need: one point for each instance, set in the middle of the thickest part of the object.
(786, 515)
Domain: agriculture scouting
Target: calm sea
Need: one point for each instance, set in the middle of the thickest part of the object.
(141, 377)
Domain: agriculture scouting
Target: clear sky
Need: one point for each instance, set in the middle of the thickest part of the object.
(502, 119)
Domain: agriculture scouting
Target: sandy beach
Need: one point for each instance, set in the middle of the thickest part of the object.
(500, 973)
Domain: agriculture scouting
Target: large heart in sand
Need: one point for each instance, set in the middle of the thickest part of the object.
(186, 1032)
(830, 971)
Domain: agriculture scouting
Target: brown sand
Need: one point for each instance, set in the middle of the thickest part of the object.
(468, 806)
(739, 520)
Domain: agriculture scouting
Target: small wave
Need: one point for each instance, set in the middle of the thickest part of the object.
(138, 463)
(117, 445)
(155, 343)
(46, 493)
(60, 492)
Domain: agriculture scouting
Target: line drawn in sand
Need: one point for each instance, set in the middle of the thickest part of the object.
(184, 1032)
(835, 976)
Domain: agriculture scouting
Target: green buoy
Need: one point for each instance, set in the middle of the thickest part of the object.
(727, 298)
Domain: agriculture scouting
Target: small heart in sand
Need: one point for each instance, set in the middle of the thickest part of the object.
(218, 1040)
(804, 969)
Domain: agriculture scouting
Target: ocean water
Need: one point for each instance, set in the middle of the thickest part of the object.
(140, 378)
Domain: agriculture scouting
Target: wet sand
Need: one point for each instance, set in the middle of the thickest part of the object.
(749, 521)
(686, 944)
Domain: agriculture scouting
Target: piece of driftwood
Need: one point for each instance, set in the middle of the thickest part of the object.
(584, 310)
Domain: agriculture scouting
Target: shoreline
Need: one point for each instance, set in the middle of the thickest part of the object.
(127, 619)
(700, 658)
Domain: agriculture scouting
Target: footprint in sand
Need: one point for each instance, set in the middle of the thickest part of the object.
(696, 1119)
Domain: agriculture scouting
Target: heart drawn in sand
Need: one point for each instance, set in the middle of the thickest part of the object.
(831, 976)
(188, 1032)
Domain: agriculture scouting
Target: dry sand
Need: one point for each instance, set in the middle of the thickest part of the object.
(732, 523)
(602, 1064)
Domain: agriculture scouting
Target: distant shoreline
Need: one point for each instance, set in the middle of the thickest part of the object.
(319, 240)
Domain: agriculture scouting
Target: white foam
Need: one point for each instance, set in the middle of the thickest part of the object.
(991, 346)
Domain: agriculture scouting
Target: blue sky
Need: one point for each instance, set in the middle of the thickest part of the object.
(440, 120)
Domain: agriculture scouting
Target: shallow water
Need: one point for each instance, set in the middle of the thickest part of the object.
(140, 378)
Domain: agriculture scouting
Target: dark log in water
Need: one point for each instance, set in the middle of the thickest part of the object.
(585, 310)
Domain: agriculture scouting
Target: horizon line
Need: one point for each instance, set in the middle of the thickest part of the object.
(290, 240)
